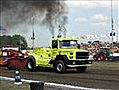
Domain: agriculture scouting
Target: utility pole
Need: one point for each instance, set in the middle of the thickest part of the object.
(19, 43)
(117, 33)
(33, 35)
(112, 34)
(60, 31)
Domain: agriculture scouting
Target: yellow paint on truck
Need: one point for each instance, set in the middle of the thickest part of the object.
(63, 51)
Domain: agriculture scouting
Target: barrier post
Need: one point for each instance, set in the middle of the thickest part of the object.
(37, 85)
(17, 78)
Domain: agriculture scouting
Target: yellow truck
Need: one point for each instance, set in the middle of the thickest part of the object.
(62, 54)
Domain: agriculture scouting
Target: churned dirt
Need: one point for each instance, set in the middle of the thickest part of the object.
(101, 75)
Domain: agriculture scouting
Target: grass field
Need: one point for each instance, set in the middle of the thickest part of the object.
(105, 64)
(8, 85)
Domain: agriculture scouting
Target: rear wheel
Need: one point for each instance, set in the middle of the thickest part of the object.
(60, 66)
(81, 69)
(31, 65)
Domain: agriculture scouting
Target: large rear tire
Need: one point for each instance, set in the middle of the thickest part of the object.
(31, 64)
(60, 66)
(81, 69)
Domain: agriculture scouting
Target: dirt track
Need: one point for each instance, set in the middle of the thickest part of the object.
(102, 75)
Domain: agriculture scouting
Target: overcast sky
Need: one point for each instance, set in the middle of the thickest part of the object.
(92, 17)
(86, 18)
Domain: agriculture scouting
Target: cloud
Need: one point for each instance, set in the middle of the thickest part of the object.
(99, 24)
(81, 19)
(91, 4)
(99, 19)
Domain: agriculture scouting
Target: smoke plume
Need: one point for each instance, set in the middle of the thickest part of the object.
(49, 13)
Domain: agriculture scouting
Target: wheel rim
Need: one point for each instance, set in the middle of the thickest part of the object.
(59, 67)
(29, 65)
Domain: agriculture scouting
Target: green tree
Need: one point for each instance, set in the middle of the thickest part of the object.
(5, 41)
(15, 40)
(19, 41)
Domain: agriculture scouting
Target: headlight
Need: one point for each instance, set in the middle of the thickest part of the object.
(90, 62)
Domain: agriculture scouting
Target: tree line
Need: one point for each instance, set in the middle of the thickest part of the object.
(13, 41)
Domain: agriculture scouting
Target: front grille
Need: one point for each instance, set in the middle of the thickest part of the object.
(82, 55)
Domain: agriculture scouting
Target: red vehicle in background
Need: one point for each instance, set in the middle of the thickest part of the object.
(102, 54)
(12, 59)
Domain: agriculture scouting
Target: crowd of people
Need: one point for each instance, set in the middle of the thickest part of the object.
(96, 45)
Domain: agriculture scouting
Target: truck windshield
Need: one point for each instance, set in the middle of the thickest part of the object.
(68, 44)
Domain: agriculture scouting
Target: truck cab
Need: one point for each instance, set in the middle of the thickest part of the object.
(63, 53)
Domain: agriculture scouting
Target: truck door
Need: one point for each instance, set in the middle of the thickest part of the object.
(54, 48)
(45, 56)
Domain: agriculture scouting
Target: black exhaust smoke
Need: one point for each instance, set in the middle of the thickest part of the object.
(49, 13)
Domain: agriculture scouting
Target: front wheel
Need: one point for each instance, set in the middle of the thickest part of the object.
(31, 65)
(60, 66)
(81, 69)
